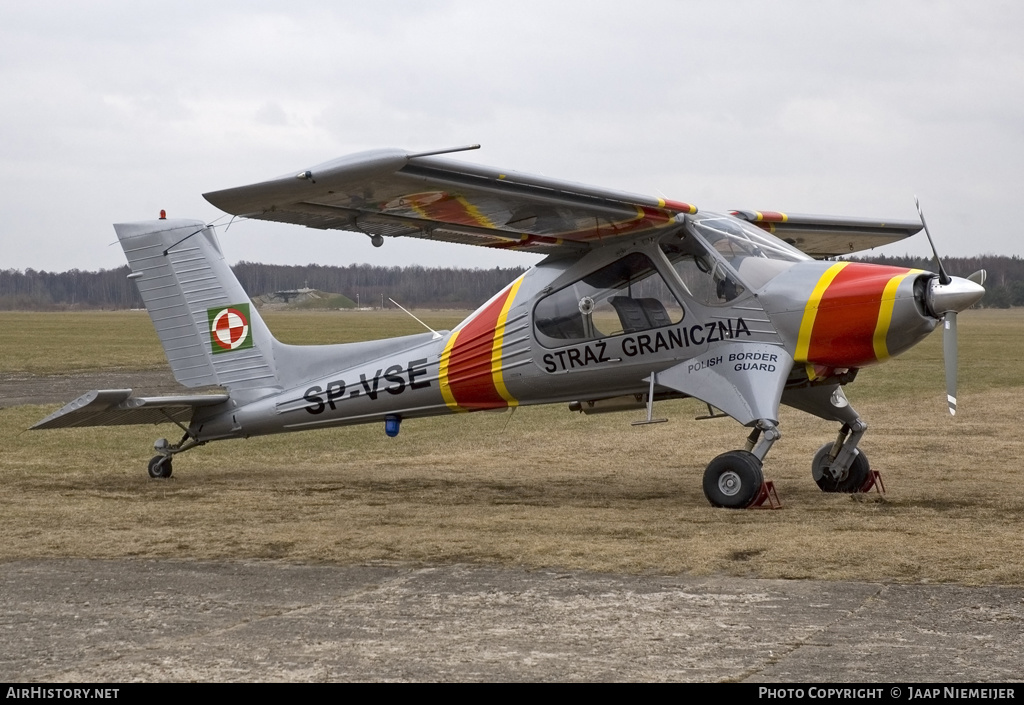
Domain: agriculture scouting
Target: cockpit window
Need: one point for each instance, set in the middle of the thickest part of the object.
(626, 296)
(705, 277)
(728, 257)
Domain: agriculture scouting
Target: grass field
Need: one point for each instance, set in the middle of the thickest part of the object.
(51, 343)
(540, 487)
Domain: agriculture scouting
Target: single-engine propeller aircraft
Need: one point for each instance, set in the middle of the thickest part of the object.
(638, 300)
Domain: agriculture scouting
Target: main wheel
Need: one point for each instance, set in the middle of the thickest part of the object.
(160, 466)
(850, 481)
(733, 480)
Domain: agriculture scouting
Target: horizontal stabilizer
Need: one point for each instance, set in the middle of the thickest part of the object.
(117, 407)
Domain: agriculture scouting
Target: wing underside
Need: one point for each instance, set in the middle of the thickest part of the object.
(392, 193)
(830, 236)
(117, 407)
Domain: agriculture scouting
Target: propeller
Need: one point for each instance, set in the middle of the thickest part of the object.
(946, 297)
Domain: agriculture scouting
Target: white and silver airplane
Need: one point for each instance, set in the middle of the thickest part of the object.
(639, 299)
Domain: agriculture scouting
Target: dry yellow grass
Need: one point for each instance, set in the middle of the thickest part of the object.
(58, 342)
(547, 488)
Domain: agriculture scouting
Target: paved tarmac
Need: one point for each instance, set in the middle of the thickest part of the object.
(147, 620)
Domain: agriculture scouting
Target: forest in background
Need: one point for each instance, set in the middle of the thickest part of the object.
(413, 287)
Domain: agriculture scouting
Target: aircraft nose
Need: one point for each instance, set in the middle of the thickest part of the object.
(957, 295)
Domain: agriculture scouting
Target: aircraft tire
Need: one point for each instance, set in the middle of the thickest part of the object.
(733, 480)
(850, 483)
(160, 466)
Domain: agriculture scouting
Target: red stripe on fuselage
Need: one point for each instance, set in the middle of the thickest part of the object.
(844, 328)
(469, 368)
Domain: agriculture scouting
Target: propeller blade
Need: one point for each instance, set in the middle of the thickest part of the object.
(949, 352)
(943, 277)
(946, 297)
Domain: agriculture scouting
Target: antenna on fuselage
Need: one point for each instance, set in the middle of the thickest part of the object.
(436, 334)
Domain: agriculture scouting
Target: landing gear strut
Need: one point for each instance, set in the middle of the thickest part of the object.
(841, 466)
(850, 480)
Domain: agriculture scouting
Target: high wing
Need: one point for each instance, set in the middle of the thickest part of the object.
(823, 236)
(117, 407)
(396, 193)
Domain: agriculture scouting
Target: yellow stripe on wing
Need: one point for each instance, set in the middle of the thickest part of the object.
(474, 213)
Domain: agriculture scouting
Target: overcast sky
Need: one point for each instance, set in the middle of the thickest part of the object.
(111, 111)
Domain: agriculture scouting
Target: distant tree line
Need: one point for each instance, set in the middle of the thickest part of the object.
(416, 287)
(1003, 288)
(39, 290)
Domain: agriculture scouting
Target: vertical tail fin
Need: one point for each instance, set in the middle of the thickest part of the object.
(211, 332)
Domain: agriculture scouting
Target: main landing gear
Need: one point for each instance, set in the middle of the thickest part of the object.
(734, 480)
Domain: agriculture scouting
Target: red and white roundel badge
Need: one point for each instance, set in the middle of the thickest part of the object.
(229, 329)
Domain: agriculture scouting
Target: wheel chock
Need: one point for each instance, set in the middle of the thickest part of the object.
(874, 480)
(768, 494)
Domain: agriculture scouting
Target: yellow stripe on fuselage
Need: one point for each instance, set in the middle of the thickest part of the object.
(442, 375)
(499, 341)
(885, 314)
(803, 343)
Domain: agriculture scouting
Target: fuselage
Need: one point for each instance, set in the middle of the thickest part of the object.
(600, 325)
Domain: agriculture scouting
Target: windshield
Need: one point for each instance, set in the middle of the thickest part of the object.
(752, 254)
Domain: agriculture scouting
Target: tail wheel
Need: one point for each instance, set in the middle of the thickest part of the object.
(850, 481)
(160, 466)
(733, 480)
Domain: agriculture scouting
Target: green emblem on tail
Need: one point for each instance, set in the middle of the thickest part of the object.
(229, 328)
